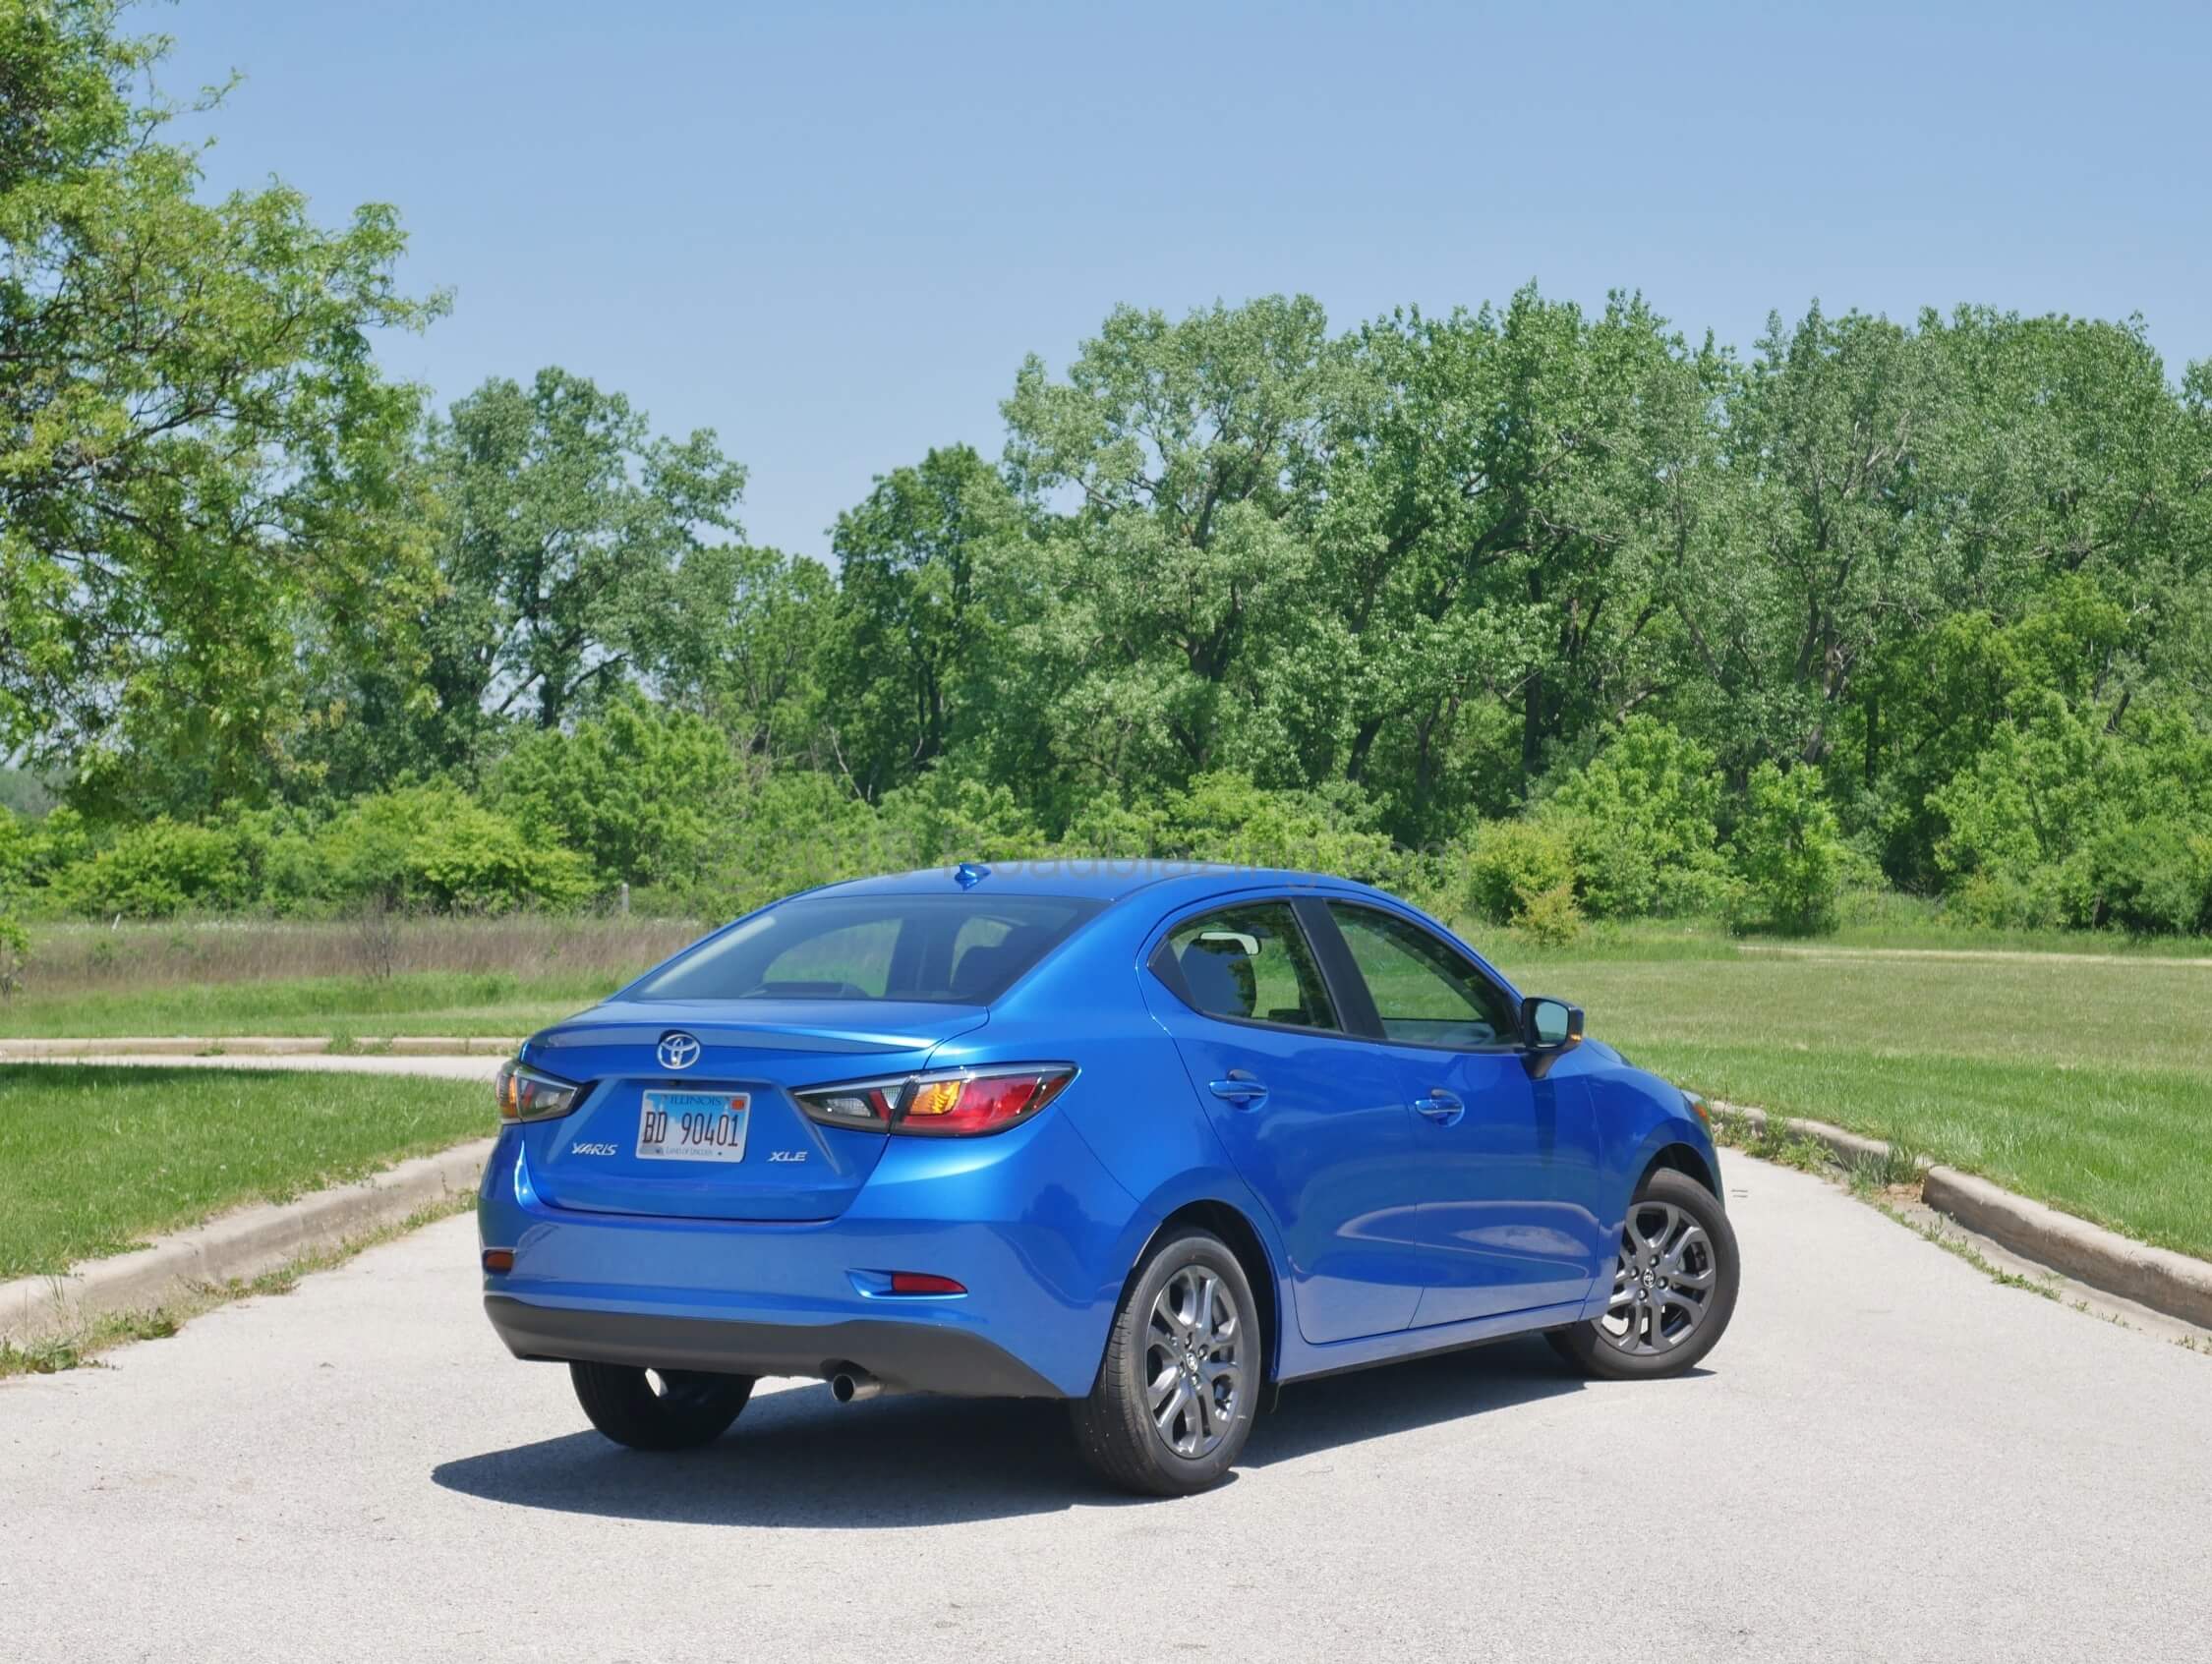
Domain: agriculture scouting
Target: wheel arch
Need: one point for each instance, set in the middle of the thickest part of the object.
(1229, 1223)
(1685, 1159)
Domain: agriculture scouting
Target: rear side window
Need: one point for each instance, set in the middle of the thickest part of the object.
(1251, 965)
(1425, 994)
(945, 949)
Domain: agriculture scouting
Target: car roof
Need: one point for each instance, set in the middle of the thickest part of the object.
(1103, 879)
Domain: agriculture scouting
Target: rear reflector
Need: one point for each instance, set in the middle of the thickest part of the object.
(924, 1283)
(498, 1259)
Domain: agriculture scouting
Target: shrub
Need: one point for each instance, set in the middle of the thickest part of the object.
(433, 848)
(156, 870)
(792, 831)
(1639, 817)
(1511, 864)
(2152, 876)
(636, 791)
(947, 816)
(1788, 852)
(15, 955)
(1551, 918)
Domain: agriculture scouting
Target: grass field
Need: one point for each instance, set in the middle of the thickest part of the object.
(2082, 1078)
(2082, 1082)
(94, 1161)
(446, 1003)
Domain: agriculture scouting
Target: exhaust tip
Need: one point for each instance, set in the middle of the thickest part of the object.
(851, 1385)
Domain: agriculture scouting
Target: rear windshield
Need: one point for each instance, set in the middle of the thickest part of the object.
(954, 950)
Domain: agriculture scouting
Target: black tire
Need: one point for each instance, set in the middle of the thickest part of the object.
(1214, 1373)
(689, 1408)
(1654, 1293)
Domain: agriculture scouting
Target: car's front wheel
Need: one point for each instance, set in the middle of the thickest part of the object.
(1674, 1285)
(1176, 1392)
(659, 1408)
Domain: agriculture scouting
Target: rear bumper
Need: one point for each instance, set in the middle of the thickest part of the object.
(913, 1355)
(1027, 1222)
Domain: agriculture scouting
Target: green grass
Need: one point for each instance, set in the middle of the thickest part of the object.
(81, 1347)
(455, 1003)
(2083, 1083)
(96, 1160)
(2074, 1070)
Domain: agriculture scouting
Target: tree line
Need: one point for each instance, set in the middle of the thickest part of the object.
(1542, 611)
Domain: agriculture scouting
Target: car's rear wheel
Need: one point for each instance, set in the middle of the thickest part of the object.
(1178, 1388)
(1674, 1285)
(659, 1408)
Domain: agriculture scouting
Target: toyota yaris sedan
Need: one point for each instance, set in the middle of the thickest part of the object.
(1147, 1138)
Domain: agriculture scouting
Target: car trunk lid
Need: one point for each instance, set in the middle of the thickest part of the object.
(749, 1058)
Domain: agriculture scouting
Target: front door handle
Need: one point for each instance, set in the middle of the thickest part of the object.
(1441, 1106)
(1241, 1090)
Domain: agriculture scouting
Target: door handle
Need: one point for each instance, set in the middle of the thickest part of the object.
(1241, 1090)
(1441, 1106)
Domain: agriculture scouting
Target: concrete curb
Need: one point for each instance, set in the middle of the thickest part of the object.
(2159, 1277)
(241, 1245)
(2173, 1284)
(257, 1045)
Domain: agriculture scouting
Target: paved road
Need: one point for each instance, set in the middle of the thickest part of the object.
(1888, 1458)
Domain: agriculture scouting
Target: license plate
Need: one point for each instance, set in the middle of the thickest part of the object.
(694, 1127)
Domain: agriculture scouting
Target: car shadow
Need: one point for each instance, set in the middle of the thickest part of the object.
(797, 1457)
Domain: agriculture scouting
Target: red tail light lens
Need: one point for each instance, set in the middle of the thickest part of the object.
(963, 1106)
(946, 1104)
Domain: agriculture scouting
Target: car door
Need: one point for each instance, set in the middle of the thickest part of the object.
(1312, 1116)
(1505, 1161)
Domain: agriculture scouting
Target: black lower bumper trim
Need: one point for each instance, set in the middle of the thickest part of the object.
(918, 1356)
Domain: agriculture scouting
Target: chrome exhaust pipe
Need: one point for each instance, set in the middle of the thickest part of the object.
(851, 1385)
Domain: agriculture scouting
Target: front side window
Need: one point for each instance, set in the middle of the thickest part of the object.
(955, 949)
(1425, 993)
(1252, 964)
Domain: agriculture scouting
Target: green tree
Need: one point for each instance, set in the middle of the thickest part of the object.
(744, 649)
(1511, 506)
(904, 667)
(1174, 632)
(637, 790)
(1788, 849)
(198, 454)
(567, 526)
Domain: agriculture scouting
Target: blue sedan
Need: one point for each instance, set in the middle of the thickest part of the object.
(1146, 1137)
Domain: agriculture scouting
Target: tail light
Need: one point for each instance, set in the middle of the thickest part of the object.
(526, 1095)
(943, 1103)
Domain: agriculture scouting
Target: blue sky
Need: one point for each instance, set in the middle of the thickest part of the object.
(831, 232)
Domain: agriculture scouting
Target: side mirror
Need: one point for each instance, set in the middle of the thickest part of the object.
(1549, 1026)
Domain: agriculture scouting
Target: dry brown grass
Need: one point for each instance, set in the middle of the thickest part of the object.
(71, 959)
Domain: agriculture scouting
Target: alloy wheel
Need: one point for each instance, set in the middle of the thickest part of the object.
(1664, 1279)
(1194, 1362)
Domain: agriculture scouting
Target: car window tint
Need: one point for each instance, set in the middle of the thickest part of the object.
(853, 962)
(1251, 963)
(962, 948)
(1424, 992)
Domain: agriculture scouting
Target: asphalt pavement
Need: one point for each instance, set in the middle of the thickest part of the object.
(1889, 1457)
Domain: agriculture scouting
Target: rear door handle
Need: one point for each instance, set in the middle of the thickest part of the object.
(1240, 1090)
(1441, 1106)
